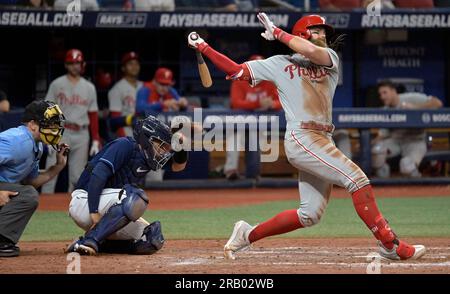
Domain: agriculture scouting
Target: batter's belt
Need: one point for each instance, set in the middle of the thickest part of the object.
(312, 125)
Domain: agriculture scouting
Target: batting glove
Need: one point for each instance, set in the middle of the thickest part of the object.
(268, 25)
(195, 41)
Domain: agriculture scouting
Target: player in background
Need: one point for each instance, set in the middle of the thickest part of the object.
(159, 95)
(20, 151)
(77, 99)
(107, 203)
(306, 82)
(409, 143)
(262, 97)
(122, 96)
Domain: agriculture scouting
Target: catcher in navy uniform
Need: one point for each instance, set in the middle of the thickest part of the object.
(107, 202)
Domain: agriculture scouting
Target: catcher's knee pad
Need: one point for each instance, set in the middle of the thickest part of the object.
(379, 155)
(407, 165)
(119, 215)
(135, 204)
(151, 241)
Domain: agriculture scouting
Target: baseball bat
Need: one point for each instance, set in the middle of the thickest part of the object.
(205, 76)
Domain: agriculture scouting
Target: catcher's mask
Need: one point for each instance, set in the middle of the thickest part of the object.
(155, 138)
(50, 119)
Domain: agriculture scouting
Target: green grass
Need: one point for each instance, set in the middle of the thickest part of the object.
(419, 217)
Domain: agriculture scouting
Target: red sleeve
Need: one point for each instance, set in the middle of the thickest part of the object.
(238, 96)
(225, 64)
(120, 132)
(93, 125)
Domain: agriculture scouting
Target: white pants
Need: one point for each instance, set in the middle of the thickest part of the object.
(320, 165)
(78, 142)
(79, 212)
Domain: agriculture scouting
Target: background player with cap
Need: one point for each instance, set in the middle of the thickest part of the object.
(410, 144)
(107, 203)
(159, 94)
(77, 98)
(122, 96)
(306, 82)
(20, 151)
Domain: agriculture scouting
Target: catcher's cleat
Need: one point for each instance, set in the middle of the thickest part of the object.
(402, 251)
(83, 247)
(238, 240)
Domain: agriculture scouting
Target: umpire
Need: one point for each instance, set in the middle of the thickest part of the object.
(20, 151)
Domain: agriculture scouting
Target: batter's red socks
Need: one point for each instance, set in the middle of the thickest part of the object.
(366, 207)
(283, 222)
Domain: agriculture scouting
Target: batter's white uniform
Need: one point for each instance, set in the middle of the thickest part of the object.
(79, 212)
(122, 98)
(409, 143)
(75, 102)
(306, 93)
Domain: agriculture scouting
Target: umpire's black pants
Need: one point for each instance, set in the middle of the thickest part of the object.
(14, 216)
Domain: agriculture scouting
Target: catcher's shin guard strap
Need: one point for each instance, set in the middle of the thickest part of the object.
(119, 215)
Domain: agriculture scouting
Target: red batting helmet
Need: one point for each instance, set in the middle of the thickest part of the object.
(301, 27)
(129, 56)
(164, 76)
(73, 56)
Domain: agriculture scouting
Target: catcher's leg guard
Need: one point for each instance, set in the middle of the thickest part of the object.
(151, 241)
(118, 216)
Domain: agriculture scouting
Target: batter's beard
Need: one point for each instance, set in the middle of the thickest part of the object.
(319, 42)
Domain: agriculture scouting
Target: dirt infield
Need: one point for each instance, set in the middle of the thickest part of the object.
(276, 255)
(204, 199)
(296, 256)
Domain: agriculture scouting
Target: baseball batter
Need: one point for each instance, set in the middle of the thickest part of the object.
(109, 206)
(306, 82)
(78, 100)
(122, 96)
(410, 144)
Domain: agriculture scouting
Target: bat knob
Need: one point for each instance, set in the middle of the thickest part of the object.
(194, 36)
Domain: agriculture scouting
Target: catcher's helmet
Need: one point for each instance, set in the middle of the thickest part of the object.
(50, 119)
(74, 56)
(302, 26)
(155, 139)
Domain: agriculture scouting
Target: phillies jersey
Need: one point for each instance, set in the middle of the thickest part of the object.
(75, 101)
(305, 89)
(122, 97)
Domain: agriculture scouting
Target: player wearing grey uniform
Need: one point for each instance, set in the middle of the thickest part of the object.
(306, 82)
(122, 96)
(77, 98)
(410, 144)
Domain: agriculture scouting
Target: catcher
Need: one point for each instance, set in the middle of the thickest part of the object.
(107, 203)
